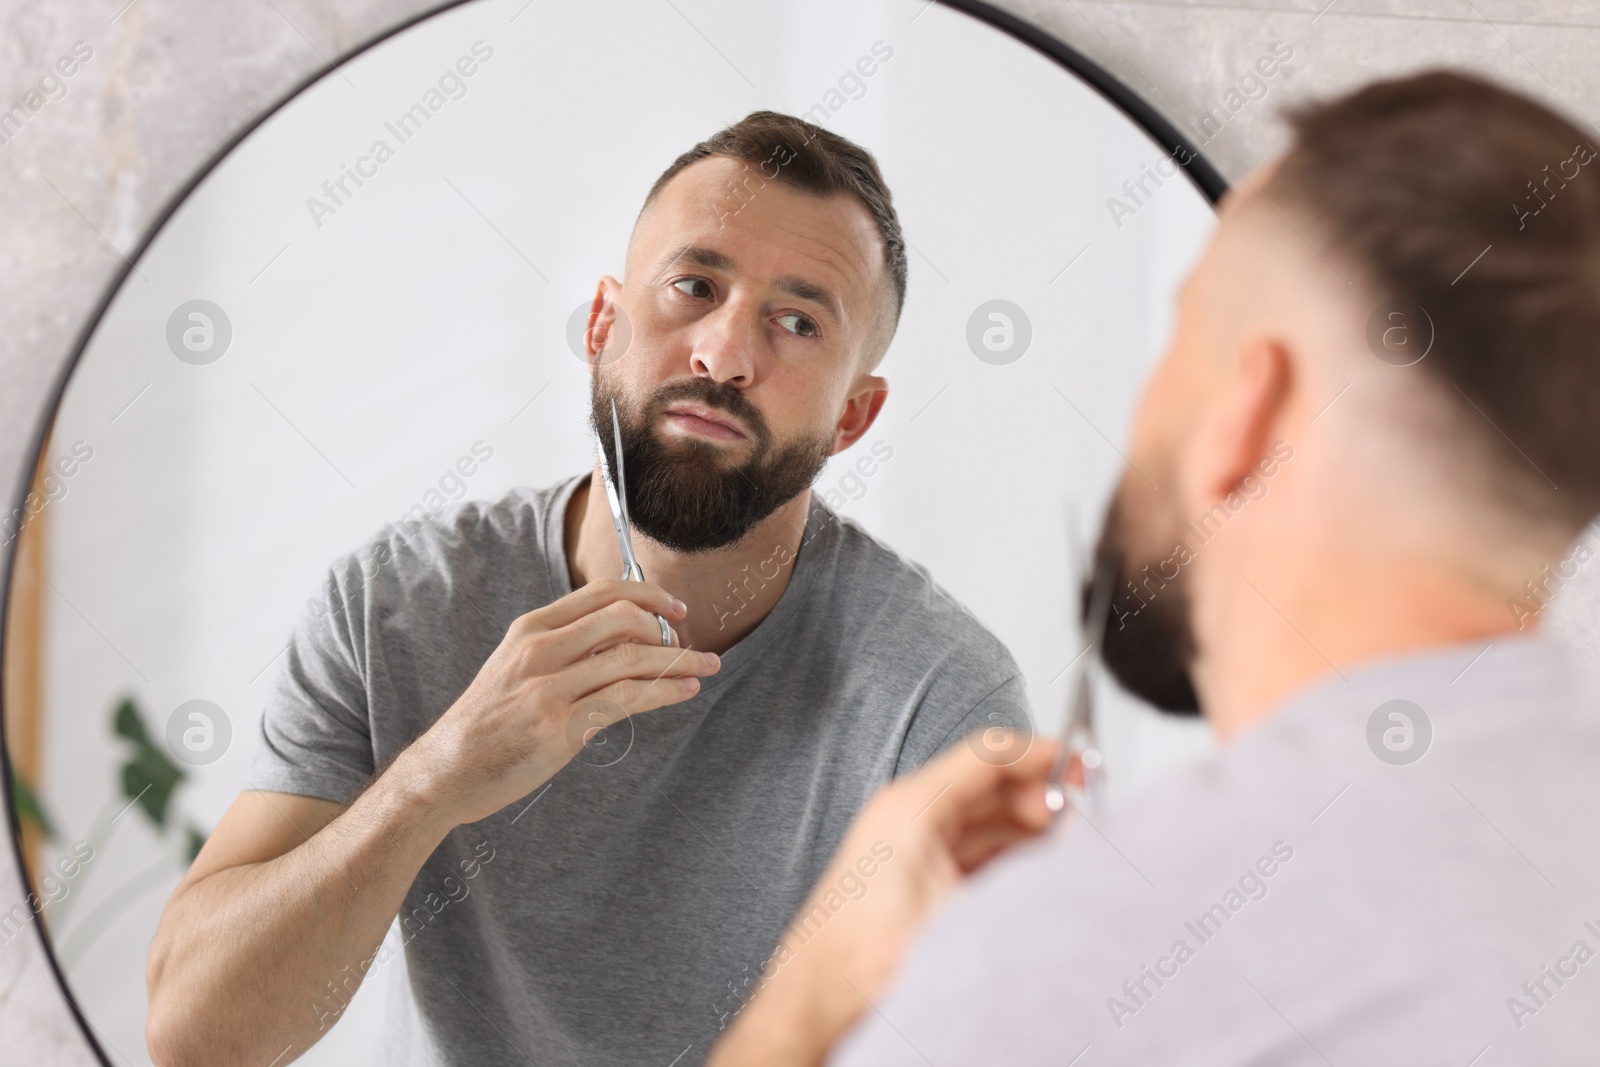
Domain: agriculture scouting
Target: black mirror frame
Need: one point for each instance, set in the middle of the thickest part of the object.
(1199, 171)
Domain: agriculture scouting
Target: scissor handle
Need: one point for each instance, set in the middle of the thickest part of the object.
(1078, 747)
(632, 572)
(1092, 764)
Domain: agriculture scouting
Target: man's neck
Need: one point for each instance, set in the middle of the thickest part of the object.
(1267, 638)
(728, 591)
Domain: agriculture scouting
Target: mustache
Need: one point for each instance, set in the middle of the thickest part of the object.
(716, 395)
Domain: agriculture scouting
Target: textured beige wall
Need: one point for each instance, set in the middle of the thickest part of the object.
(171, 80)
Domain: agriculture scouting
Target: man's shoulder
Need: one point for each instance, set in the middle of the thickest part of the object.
(881, 588)
(1298, 850)
(911, 643)
(457, 544)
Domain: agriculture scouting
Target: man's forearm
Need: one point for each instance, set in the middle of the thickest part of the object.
(795, 1018)
(772, 1033)
(242, 956)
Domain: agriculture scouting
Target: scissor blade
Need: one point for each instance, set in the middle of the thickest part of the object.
(1078, 739)
(622, 472)
(618, 502)
(619, 518)
(1096, 615)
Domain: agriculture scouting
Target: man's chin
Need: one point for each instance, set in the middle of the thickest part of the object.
(698, 492)
(1158, 681)
(701, 455)
(1148, 644)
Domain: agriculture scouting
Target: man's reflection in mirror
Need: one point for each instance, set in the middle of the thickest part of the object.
(592, 842)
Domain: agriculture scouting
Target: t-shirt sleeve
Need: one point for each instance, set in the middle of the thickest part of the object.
(1016, 966)
(316, 736)
(1006, 705)
(958, 997)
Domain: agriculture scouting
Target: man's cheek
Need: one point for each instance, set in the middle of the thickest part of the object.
(1153, 418)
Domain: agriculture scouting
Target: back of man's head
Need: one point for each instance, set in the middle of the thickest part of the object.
(1470, 216)
(1394, 334)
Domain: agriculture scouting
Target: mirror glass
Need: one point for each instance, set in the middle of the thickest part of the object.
(368, 307)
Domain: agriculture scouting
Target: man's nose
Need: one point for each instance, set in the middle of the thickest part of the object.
(724, 346)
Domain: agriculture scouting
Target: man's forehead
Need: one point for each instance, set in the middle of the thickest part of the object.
(758, 223)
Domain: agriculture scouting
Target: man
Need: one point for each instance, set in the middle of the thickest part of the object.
(1369, 449)
(449, 738)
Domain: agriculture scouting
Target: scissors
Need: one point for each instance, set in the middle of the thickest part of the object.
(617, 497)
(1079, 742)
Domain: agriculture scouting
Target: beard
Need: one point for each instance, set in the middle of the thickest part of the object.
(1149, 641)
(685, 495)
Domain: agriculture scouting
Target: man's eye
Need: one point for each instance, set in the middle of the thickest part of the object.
(798, 324)
(698, 288)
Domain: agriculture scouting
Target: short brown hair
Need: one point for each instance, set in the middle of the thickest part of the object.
(1479, 205)
(814, 160)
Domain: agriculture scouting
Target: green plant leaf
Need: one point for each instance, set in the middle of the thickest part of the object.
(149, 778)
(27, 804)
(126, 722)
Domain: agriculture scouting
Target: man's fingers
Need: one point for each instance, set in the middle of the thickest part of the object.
(634, 664)
(980, 844)
(1019, 801)
(618, 622)
(963, 778)
(631, 697)
(1075, 773)
(602, 592)
(976, 830)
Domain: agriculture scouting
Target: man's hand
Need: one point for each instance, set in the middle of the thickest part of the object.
(290, 893)
(940, 824)
(561, 673)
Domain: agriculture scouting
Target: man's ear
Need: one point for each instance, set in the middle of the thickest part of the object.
(1236, 436)
(860, 411)
(608, 334)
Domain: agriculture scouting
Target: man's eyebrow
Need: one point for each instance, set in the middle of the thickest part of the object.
(801, 289)
(695, 255)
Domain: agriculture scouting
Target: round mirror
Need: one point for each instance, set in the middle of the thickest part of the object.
(373, 310)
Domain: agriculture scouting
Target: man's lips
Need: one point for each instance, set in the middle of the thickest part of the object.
(701, 421)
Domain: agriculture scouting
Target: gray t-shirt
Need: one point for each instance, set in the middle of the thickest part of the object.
(622, 914)
(1298, 899)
